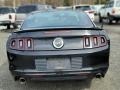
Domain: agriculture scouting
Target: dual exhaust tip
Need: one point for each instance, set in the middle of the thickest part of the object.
(99, 75)
(23, 81)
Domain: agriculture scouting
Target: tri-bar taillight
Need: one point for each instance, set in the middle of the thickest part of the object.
(22, 44)
(94, 41)
(10, 16)
(88, 42)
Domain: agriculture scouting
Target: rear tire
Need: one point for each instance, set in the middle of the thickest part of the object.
(117, 21)
(15, 26)
(109, 19)
(100, 19)
(16, 78)
(8, 26)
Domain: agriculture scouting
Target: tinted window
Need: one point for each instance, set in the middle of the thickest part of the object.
(12, 10)
(118, 4)
(83, 8)
(26, 9)
(6, 10)
(57, 19)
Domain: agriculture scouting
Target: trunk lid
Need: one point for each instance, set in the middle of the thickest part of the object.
(43, 40)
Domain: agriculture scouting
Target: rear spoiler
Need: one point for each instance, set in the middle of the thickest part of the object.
(52, 29)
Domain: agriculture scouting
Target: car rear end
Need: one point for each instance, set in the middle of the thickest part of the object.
(58, 53)
(115, 13)
(7, 16)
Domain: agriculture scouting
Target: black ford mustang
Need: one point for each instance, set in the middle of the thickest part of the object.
(58, 45)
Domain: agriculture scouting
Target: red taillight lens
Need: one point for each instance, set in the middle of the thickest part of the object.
(94, 41)
(22, 44)
(10, 16)
(87, 42)
(103, 41)
(113, 11)
(13, 43)
(29, 43)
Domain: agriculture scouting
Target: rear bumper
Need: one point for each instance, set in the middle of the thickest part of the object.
(61, 75)
(5, 22)
(115, 16)
(93, 61)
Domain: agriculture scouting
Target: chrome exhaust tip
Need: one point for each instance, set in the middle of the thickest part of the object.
(22, 80)
(99, 75)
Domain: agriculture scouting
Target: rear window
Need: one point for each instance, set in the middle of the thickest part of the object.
(6, 10)
(26, 9)
(83, 8)
(57, 19)
(118, 4)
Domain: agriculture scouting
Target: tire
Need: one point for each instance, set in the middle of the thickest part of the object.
(117, 21)
(109, 19)
(100, 19)
(15, 26)
(8, 26)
